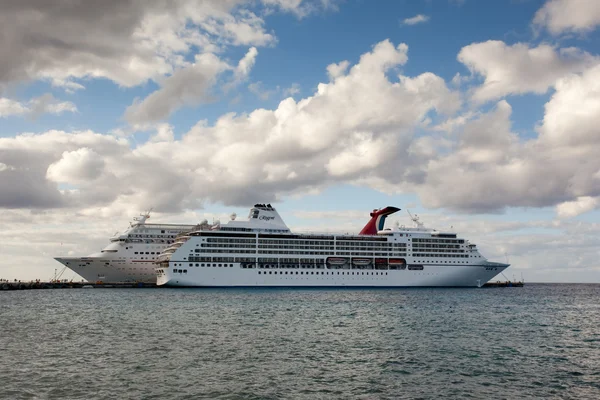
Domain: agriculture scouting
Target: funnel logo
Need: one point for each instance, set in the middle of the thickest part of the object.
(266, 218)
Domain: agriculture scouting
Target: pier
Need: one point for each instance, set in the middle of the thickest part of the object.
(18, 285)
(503, 284)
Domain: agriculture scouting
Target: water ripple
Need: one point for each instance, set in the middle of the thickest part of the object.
(540, 341)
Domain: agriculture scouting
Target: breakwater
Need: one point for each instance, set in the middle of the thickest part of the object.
(18, 285)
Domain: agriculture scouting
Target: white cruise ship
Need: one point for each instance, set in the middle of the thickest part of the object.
(130, 256)
(262, 251)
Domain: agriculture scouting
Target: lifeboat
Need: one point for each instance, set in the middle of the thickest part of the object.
(361, 261)
(337, 260)
(397, 261)
(381, 261)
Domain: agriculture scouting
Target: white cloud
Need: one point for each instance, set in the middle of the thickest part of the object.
(576, 207)
(490, 168)
(336, 70)
(48, 104)
(187, 86)
(141, 41)
(302, 8)
(4, 167)
(559, 16)
(79, 166)
(417, 19)
(259, 90)
(519, 69)
(292, 90)
(45, 104)
(245, 65)
(572, 114)
(10, 107)
(296, 147)
(363, 127)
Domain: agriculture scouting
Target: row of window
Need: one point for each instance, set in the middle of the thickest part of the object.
(441, 255)
(206, 265)
(320, 273)
(353, 273)
(435, 246)
(419, 240)
(299, 242)
(298, 245)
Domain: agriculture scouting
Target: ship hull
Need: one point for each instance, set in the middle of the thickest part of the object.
(94, 269)
(430, 276)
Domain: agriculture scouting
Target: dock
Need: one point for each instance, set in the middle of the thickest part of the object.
(503, 284)
(18, 285)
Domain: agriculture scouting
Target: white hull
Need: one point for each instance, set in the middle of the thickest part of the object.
(130, 256)
(94, 269)
(430, 276)
(263, 252)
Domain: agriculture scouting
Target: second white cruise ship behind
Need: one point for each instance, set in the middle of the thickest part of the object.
(262, 251)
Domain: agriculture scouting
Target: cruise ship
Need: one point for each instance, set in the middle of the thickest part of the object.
(262, 251)
(130, 256)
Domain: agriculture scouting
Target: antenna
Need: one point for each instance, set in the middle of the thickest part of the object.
(142, 218)
(415, 219)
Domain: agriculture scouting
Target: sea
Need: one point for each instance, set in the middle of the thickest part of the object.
(541, 341)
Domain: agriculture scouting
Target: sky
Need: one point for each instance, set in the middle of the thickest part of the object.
(482, 117)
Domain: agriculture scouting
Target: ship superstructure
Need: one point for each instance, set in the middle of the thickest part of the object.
(130, 256)
(262, 251)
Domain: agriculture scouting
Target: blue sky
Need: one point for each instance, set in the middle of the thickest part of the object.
(485, 121)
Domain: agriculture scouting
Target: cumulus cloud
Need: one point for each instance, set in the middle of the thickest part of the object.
(571, 115)
(417, 19)
(128, 42)
(260, 91)
(35, 107)
(576, 207)
(301, 8)
(245, 65)
(187, 86)
(190, 85)
(298, 146)
(78, 166)
(519, 69)
(336, 70)
(292, 90)
(491, 168)
(49, 104)
(10, 107)
(559, 16)
(364, 126)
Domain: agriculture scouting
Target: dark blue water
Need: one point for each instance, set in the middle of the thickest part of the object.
(540, 341)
